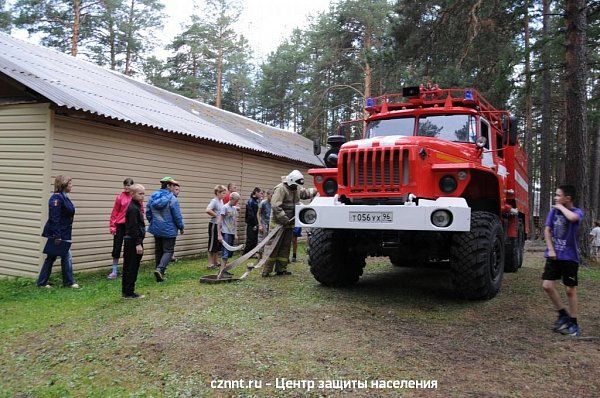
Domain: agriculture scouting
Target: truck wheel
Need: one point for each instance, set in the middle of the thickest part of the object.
(332, 260)
(514, 250)
(477, 257)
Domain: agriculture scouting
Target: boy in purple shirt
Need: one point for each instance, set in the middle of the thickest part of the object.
(562, 257)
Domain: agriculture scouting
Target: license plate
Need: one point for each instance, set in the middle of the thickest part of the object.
(371, 217)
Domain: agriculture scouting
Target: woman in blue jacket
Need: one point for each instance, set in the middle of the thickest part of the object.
(58, 230)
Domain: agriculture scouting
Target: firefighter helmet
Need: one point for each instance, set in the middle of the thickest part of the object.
(294, 178)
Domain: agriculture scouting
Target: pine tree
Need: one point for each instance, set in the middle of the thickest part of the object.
(188, 69)
(210, 56)
(546, 193)
(577, 152)
(5, 17)
(529, 136)
(141, 19)
(320, 77)
(124, 31)
(279, 86)
(459, 44)
(364, 24)
(64, 24)
(106, 46)
(156, 73)
(238, 84)
(219, 20)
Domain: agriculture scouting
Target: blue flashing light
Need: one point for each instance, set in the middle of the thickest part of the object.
(468, 95)
(370, 101)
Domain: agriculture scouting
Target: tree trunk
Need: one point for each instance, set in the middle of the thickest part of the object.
(219, 65)
(76, 22)
(595, 175)
(129, 39)
(368, 71)
(112, 42)
(113, 51)
(560, 173)
(595, 165)
(546, 136)
(529, 139)
(577, 153)
(219, 77)
(109, 11)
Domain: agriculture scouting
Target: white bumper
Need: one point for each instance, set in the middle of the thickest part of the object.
(333, 214)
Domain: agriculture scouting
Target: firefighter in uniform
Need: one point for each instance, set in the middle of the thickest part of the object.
(285, 197)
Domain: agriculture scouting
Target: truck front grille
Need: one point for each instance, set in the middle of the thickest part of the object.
(375, 169)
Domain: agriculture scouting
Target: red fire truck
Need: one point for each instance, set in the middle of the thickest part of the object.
(430, 176)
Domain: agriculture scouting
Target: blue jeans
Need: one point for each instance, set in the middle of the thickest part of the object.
(66, 264)
(229, 238)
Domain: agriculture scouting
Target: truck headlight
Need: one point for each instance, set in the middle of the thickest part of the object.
(441, 218)
(330, 187)
(448, 184)
(308, 216)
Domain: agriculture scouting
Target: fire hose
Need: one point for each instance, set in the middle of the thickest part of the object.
(274, 234)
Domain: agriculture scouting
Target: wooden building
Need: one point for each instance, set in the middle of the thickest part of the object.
(62, 115)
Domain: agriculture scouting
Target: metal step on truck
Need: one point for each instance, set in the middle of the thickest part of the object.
(429, 176)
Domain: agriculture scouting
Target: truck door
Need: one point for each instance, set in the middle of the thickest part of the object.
(487, 158)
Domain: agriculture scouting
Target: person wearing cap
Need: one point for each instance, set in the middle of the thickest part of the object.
(165, 181)
(165, 219)
(283, 203)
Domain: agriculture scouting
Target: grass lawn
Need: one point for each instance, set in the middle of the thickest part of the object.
(397, 323)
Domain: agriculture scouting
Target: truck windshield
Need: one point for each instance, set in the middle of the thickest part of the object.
(385, 127)
(460, 128)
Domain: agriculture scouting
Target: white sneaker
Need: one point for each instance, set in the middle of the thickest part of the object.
(74, 286)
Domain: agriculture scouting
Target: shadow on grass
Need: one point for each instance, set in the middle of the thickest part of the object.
(399, 286)
(400, 283)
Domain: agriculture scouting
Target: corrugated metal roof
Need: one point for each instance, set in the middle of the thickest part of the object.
(81, 85)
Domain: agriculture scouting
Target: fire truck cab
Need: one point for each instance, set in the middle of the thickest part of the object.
(430, 176)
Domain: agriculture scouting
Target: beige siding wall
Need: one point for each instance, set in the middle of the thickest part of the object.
(24, 167)
(99, 157)
(266, 174)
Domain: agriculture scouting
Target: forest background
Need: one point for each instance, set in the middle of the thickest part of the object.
(537, 58)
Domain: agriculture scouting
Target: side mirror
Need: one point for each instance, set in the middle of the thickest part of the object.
(317, 147)
(331, 156)
(510, 127)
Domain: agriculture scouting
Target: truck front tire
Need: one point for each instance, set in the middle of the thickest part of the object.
(333, 259)
(477, 257)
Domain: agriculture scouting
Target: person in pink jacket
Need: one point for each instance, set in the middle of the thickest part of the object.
(117, 224)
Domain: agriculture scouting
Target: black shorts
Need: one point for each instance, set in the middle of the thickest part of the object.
(561, 269)
(214, 246)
